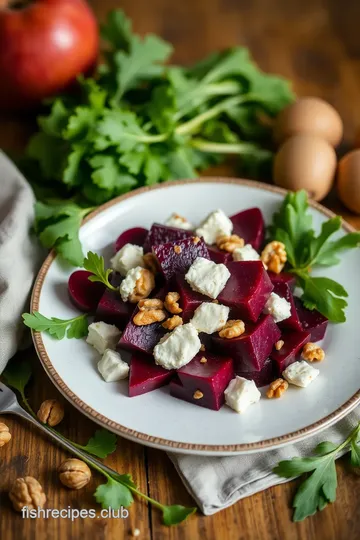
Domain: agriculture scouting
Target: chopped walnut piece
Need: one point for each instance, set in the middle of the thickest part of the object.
(229, 243)
(150, 310)
(196, 239)
(277, 388)
(313, 352)
(151, 263)
(172, 322)
(198, 394)
(274, 256)
(202, 348)
(171, 303)
(177, 249)
(279, 344)
(203, 360)
(144, 285)
(232, 329)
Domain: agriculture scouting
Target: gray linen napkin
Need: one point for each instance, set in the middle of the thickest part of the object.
(214, 482)
(20, 255)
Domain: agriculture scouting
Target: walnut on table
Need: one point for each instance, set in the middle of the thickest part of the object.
(51, 412)
(28, 492)
(74, 473)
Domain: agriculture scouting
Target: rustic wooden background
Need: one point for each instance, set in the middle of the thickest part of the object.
(316, 43)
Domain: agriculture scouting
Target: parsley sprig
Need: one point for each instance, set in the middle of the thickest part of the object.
(319, 488)
(77, 327)
(119, 488)
(95, 263)
(292, 225)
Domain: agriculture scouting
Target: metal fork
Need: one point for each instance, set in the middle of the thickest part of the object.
(10, 405)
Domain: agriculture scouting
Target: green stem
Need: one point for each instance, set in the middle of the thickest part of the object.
(222, 148)
(27, 405)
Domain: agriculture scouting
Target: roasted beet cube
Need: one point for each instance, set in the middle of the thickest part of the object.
(263, 377)
(145, 375)
(136, 235)
(141, 338)
(283, 277)
(293, 322)
(312, 321)
(176, 257)
(189, 299)
(83, 293)
(247, 289)
(249, 225)
(218, 256)
(112, 310)
(203, 383)
(293, 344)
(250, 350)
(161, 234)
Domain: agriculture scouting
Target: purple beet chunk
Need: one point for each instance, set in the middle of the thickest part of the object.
(283, 277)
(161, 234)
(146, 376)
(176, 257)
(112, 310)
(219, 256)
(293, 343)
(247, 289)
(250, 350)
(136, 235)
(210, 378)
(312, 321)
(141, 338)
(293, 322)
(189, 299)
(250, 226)
(263, 377)
(83, 293)
(115, 279)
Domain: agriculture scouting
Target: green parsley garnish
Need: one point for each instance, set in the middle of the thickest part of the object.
(76, 327)
(95, 263)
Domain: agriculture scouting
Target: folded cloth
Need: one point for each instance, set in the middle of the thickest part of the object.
(218, 482)
(20, 255)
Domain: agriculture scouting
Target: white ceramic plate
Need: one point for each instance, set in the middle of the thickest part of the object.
(156, 419)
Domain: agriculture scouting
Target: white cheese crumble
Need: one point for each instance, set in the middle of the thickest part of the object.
(216, 224)
(129, 282)
(112, 368)
(207, 277)
(246, 253)
(300, 373)
(103, 336)
(175, 220)
(177, 348)
(241, 393)
(278, 307)
(128, 257)
(210, 317)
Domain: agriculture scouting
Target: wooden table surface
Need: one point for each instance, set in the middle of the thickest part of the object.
(316, 43)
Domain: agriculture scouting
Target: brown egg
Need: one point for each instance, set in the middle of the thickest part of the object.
(309, 115)
(348, 180)
(305, 162)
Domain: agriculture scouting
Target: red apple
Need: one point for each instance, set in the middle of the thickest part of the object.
(44, 45)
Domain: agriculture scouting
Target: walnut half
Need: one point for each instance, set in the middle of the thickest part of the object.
(5, 434)
(274, 256)
(143, 287)
(313, 352)
(51, 412)
(74, 473)
(229, 243)
(150, 310)
(232, 329)
(27, 492)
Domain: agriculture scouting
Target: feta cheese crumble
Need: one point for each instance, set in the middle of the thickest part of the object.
(215, 224)
(177, 348)
(210, 317)
(112, 368)
(246, 253)
(128, 257)
(207, 277)
(278, 307)
(103, 336)
(175, 220)
(241, 393)
(300, 373)
(129, 282)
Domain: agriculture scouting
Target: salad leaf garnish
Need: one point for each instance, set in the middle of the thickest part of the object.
(76, 327)
(95, 263)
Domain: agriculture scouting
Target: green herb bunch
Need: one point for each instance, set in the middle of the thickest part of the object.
(140, 121)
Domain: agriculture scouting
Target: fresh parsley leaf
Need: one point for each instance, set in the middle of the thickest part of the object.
(355, 453)
(58, 328)
(117, 30)
(325, 448)
(102, 444)
(113, 495)
(331, 250)
(172, 515)
(56, 121)
(95, 264)
(318, 243)
(17, 375)
(325, 295)
(180, 164)
(162, 108)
